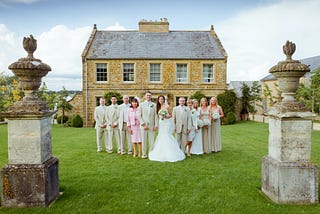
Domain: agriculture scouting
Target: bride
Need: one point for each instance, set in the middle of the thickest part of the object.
(166, 147)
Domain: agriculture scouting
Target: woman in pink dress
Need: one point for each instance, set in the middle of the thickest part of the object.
(134, 127)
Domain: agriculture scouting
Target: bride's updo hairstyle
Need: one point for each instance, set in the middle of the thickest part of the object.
(158, 103)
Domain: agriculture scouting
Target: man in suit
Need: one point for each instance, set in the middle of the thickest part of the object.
(112, 119)
(182, 120)
(124, 131)
(99, 117)
(148, 118)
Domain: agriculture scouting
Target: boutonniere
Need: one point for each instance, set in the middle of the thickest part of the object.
(151, 105)
(185, 109)
(193, 111)
(116, 107)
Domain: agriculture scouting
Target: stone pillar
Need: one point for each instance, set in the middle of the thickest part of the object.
(31, 177)
(288, 175)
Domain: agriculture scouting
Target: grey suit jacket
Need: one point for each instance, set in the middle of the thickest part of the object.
(99, 115)
(147, 114)
(182, 120)
(112, 116)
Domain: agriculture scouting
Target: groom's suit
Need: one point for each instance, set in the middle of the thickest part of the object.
(112, 118)
(147, 116)
(182, 120)
(99, 117)
(124, 131)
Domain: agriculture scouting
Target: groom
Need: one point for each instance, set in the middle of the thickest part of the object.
(148, 118)
(182, 120)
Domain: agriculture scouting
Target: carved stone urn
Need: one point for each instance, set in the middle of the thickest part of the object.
(288, 174)
(29, 71)
(288, 73)
(30, 179)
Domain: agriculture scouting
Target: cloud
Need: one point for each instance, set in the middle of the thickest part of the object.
(60, 47)
(11, 48)
(253, 39)
(116, 26)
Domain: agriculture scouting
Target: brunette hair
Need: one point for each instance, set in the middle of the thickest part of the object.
(158, 104)
(134, 100)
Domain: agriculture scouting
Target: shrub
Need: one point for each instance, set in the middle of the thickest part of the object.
(231, 118)
(197, 95)
(109, 94)
(77, 121)
(65, 119)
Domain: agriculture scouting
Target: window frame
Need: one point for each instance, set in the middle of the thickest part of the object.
(123, 72)
(208, 78)
(160, 73)
(100, 72)
(187, 73)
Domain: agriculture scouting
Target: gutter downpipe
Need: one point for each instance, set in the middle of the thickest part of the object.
(86, 63)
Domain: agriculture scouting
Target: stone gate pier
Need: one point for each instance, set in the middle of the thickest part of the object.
(288, 174)
(30, 179)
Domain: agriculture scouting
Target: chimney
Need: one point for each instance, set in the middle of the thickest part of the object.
(161, 26)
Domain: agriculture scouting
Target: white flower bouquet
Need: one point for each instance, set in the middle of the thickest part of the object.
(163, 113)
(215, 115)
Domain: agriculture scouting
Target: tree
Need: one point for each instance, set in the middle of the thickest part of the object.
(47, 96)
(245, 100)
(63, 104)
(255, 97)
(227, 101)
(311, 95)
(197, 95)
(109, 94)
(10, 91)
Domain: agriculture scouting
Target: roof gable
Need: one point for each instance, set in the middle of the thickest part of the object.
(138, 45)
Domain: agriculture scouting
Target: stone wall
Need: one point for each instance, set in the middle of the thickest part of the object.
(167, 86)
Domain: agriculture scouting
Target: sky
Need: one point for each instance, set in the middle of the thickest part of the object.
(251, 31)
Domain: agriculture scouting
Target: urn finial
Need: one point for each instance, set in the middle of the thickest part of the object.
(30, 45)
(288, 49)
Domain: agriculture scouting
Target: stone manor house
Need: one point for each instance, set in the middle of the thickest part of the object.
(153, 58)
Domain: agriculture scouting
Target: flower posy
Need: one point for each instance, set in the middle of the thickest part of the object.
(215, 115)
(163, 113)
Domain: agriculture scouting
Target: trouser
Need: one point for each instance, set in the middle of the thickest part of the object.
(147, 136)
(101, 132)
(125, 134)
(114, 132)
(182, 140)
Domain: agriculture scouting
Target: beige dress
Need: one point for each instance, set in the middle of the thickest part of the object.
(215, 131)
(206, 142)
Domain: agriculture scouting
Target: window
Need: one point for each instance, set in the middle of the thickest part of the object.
(101, 72)
(98, 101)
(182, 73)
(155, 73)
(207, 73)
(128, 72)
(177, 100)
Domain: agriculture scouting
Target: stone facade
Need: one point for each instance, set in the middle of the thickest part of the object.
(168, 86)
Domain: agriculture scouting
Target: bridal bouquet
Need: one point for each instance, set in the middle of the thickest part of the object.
(163, 113)
(215, 115)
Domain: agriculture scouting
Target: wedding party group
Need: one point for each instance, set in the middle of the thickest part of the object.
(134, 125)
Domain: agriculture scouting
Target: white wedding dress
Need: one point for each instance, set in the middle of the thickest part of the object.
(166, 147)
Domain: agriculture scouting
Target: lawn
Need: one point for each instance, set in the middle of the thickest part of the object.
(226, 182)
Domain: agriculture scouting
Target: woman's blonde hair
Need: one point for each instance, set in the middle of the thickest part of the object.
(203, 99)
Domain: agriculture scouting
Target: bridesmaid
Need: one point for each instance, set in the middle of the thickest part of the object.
(197, 141)
(194, 126)
(134, 127)
(205, 117)
(216, 113)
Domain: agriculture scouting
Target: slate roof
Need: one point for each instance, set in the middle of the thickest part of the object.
(171, 45)
(312, 62)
